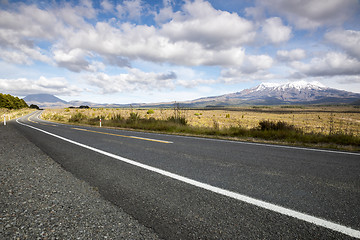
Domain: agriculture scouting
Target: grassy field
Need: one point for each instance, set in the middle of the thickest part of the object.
(12, 114)
(325, 120)
(329, 127)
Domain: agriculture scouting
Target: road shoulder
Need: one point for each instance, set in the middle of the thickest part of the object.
(39, 199)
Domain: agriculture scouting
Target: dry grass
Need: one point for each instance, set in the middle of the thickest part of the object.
(11, 114)
(324, 120)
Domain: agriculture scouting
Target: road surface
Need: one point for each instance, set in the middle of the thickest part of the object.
(195, 188)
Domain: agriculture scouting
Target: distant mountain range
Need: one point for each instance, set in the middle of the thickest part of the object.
(300, 92)
(292, 93)
(51, 101)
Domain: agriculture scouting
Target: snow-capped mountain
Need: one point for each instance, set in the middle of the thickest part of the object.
(300, 85)
(300, 92)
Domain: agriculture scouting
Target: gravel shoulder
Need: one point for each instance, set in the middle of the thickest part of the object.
(40, 200)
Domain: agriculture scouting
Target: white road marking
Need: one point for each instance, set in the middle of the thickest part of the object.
(248, 143)
(272, 207)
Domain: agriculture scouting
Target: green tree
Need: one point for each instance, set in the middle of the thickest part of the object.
(11, 102)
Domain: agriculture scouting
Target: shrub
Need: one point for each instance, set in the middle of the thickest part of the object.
(179, 120)
(58, 117)
(150, 111)
(78, 117)
(117, 117)
(267, 125)
(34, 106)
(134, 117)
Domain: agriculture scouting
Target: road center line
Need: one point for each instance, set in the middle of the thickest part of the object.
(269, 206)
(40, 122)
(119, 135)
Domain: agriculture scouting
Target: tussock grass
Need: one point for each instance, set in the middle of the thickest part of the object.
(327, 127)
(267, 130)
(14, 113)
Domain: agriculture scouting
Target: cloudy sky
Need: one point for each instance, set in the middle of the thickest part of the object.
(126, 51)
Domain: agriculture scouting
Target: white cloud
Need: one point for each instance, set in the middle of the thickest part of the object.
(20, 31)
(275, 32)
(24, 86)
(195, 82)
(134, 80)
(143, 42)
(15, 57)
(131, 9)
(256, 63)
(233, 75)
(26, 22)
(107, 6)
(254, 67)
(311, 14)
(349, 40)
(74, 60)
(85, 9)
(332, 64)
(205, 37)
(164, 15)
(293, 55)
(19, 51)
(199, 22)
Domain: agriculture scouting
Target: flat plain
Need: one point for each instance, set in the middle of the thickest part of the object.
(310, 119)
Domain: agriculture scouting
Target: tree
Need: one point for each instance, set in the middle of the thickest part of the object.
(11, 102)
(34, 106)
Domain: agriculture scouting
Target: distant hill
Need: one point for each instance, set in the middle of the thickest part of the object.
(45, 100)
(300, 92)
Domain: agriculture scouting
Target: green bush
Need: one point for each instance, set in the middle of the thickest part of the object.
(150, 111)
(277, 126)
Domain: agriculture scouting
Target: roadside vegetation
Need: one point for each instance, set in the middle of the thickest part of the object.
(11, 102)
(13, 113)
(12, 107)
(330, 127)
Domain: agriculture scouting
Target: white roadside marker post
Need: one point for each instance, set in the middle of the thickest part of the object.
(4, 120)
(100, 122)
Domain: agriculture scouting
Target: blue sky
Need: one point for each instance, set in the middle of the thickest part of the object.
(129, 51)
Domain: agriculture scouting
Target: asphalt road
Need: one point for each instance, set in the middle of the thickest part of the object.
(194, 188)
